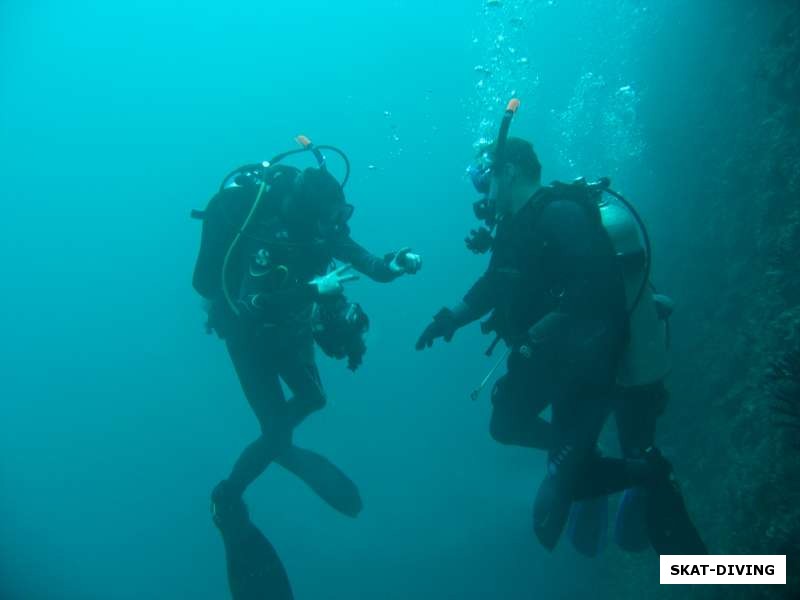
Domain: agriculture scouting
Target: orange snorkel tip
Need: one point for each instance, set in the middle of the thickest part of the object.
(307, 144)
(513, 105)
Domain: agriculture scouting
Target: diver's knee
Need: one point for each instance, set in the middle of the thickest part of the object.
(316, 401)
(301, 407)
(501, 424)
(501, 430)
(312, 402)
(275, 438)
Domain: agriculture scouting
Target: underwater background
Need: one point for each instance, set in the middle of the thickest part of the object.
(118, 414)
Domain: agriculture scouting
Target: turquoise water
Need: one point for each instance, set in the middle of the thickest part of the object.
(118, 414)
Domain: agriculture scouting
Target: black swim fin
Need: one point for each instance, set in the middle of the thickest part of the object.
(326, 479)
(550, 512)
(669, 525)
(255, 571)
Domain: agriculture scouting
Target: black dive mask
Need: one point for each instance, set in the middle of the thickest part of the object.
(480, 173)
(336, 220)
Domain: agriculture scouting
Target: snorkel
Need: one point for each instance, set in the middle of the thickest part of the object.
(481, 172)
(502, 135)
(488, 166)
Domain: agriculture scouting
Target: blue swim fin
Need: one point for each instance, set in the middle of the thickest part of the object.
(630, 528)
(588, 525)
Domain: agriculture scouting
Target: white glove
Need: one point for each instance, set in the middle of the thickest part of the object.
(330, 284)
(405, 261)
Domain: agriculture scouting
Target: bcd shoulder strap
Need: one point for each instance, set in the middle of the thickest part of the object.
(582, 194)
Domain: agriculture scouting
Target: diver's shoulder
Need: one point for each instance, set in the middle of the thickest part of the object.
(547, 201)
(561, 213)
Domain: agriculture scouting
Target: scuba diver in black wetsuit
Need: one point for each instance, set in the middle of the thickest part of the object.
(269, 238)
(557, 297)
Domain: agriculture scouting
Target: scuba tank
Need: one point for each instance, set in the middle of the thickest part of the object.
(229, 213)
(224, 220)
(646, 357)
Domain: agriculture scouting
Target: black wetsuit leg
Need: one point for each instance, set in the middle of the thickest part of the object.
(518, 399)
(579, 368)
(636, 414)
(669, 526)
(585, 472)
(585, 362)
(261, 360)
(298, 369)
(579, 379)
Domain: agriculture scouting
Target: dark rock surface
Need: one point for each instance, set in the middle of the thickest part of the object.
(731, 258)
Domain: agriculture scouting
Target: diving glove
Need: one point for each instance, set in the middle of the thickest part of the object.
(479, 241)
(331, 283)
(405, 261)
(444, 325)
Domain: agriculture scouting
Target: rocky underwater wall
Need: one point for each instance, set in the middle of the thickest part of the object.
(727, 242)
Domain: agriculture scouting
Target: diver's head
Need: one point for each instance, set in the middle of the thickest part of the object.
(316, 207)
(508, 185)
(513, 182)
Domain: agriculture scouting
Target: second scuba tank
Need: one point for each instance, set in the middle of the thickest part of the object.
(646, 358)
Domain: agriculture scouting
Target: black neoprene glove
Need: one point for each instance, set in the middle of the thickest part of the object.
(444, 325)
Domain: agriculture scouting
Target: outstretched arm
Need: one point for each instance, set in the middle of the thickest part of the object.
(383, 270)
(479, 300)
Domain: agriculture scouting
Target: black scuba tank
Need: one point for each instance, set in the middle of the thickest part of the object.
(224, 219)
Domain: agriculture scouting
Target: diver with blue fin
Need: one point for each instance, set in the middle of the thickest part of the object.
(641, 394)
(558, 295)
(266, 267)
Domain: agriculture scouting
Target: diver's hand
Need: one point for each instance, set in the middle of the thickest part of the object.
(479, 241)
(443, 326)
(405, 261)
(331, 283)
